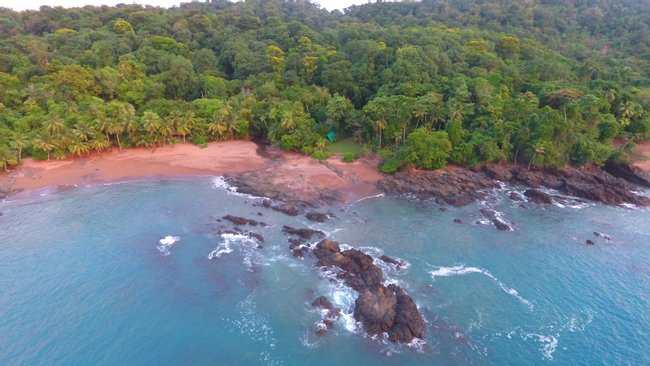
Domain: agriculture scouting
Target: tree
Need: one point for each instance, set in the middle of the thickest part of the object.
(45, 143)
(151, 122)
(7, 158)
(426, 149)
(20, 141)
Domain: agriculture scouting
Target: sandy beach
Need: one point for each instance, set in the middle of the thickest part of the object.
(295, 171)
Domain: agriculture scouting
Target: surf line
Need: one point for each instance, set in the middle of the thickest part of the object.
(461, 270)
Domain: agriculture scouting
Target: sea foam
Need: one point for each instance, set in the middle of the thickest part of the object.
(462, 270)
(166, 243)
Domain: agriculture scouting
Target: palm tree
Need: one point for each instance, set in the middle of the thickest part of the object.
(380, 125)
(166, 130)
(78, 147)
(186, 124)
(7, 158)
(19, 142)
(53, 125)
(216, 127)
(83, 131)
(539, 149)
(46, 144)
(321, 144)
(288, 121)
(99, 144)
(103, 124)
(115, 128)
(630, 110)
(151, 122)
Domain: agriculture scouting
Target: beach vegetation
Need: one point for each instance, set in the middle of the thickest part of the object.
(542, 84)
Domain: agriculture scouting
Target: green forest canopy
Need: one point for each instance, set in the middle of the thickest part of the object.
(548, 82)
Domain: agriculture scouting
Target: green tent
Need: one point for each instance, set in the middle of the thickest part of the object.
(331, 136)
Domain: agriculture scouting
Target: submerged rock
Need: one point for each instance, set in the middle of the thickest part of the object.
(287, 209)
(304, 233)
(243, 221)
(316, 216)
(602, 235)
(590, 242)
(389, 260)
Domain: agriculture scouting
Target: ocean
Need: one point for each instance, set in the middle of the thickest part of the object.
(136, 273)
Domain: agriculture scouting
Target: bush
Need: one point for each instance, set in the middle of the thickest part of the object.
(349, 157)
(199, 140)
(391, 165)
(320, 155)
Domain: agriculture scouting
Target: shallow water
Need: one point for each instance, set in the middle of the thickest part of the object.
(85, 279)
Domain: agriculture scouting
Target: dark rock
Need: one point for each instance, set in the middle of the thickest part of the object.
(316, 216)
(443, 209)
(299, 252)
(260, 214)
(489, 213)
(255, 236)
(267, 203)
(243, 221)
(590, 242)
(390, 310)
(516, 197)
(628, 172)
(322, 302)
(287, 209)
(498, 172)
(304, 233)
(295, 243)
(379, 308)
(232, 232)
(459, 200)
(458, 221)
(389, 260)
(502, 224)
(538, 197)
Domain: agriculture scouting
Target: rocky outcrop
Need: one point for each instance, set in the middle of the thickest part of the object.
(630, 173)
(538, 197)
(456, 187)
(297, 244)
(380, 309)
(461, 186)
(304, 233)
(388, 309)
(330, 316)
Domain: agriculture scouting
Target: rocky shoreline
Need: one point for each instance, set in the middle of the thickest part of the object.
(462, 186)
(615, 184)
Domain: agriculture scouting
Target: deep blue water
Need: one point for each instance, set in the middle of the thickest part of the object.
(84, 280)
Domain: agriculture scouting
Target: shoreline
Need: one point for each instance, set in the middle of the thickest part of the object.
(280, 175)
(293, 172)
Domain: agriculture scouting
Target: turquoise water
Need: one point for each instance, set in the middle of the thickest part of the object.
(85, 281)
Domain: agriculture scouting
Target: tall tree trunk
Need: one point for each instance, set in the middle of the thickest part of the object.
(119, 144)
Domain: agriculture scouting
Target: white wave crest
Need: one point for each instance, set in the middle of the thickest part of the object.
(167, 242)
(245, 244)
(462, 270)
(220, 183)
